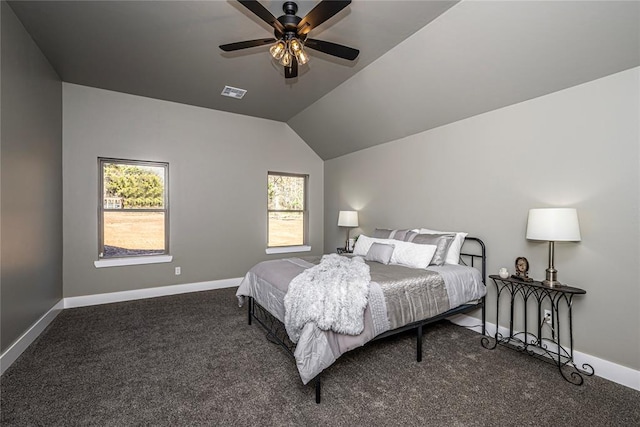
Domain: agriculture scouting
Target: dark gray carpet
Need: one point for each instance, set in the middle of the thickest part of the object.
(192, 360)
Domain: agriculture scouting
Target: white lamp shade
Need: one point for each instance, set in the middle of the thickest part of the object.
(553, 224)
(348, 219)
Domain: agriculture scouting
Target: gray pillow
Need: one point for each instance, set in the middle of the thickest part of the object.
(381, 233)
(400, 234)
(410, 236)
(379, 252)
(442, 243)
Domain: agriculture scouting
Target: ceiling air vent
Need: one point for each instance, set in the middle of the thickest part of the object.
(233, 92)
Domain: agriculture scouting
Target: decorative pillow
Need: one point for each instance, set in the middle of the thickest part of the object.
(399, 234)
(404, 253)
(411, 254)
(442, 243)
(411, 234)
(453, 255)
(382, 233)
(380, 252)
(363, 244)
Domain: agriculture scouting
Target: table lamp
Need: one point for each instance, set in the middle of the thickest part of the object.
(553, 225)
(348, 219)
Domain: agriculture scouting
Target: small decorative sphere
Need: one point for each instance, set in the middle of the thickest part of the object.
(504, 273)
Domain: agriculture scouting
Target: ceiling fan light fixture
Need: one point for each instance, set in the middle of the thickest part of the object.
(295, 46)
(278, 49)
(286, 58)
(302, 57)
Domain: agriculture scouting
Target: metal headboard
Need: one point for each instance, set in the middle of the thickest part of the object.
(475, 252)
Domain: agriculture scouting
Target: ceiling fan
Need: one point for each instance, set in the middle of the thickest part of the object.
(291, 34)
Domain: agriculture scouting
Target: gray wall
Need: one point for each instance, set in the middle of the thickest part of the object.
(218, 165)
(578, 147)
(31, 182)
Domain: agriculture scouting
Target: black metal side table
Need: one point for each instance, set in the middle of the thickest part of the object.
(547, 349)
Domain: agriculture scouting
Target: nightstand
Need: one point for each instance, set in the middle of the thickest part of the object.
(541, 298)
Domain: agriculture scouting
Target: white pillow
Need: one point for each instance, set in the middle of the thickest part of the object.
(453, 255)
(362, 245)
(405, 253)
(412, 255)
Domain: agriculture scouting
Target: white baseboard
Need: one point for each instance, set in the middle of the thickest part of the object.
(603, 368)
(20, 345)
(160, 291)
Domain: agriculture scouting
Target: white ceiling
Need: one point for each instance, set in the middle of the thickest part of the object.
(422, 63)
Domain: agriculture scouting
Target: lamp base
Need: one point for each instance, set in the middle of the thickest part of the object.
(346, 242)
(552, 274)
(552, 283)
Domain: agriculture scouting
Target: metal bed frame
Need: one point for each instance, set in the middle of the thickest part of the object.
(277, 334)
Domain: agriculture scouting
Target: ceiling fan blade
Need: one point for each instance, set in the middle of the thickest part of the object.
(246, 44)
(333, 49)
(323, 11)
(291, 72)
(261, 12)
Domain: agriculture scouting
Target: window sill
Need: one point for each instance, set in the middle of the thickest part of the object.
(118, 262)
(288, 249)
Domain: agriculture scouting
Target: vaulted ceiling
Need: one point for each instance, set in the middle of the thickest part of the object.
(422, 64)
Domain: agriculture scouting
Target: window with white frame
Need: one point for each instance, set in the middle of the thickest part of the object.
(287, 209)
(133, 213)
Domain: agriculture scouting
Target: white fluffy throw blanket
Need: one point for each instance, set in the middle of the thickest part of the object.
(332, 294)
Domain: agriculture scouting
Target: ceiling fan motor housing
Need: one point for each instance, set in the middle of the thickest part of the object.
(289, 21)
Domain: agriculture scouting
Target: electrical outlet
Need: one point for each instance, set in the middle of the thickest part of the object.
(178, 271)
(547, 316)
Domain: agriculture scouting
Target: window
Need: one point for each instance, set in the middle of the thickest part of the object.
(287, 209)
(133, 209)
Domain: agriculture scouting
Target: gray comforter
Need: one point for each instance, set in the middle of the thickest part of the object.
(397, 296)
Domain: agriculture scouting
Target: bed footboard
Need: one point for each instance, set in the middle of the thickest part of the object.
(276, 333)
(275, 330)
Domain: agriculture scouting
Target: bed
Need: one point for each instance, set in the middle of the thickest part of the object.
(398, 298)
